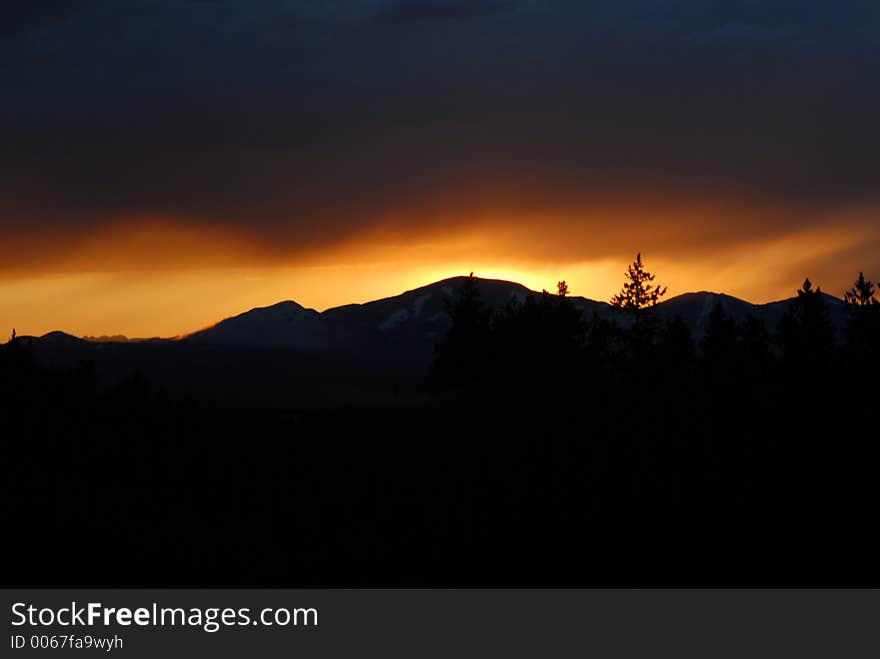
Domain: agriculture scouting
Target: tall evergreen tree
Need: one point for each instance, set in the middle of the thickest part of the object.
(863, 325)
(677, 342)
(719, 348)
(466, 311)
(754, 341)
(637, 298)
(806, 331)
(861, 294)
(638, 293)
(463, 355)
(719, 341)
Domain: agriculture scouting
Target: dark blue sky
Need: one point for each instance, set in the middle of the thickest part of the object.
(304, 123)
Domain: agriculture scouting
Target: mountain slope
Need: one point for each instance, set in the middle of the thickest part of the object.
(695, 308)
(282, 325)
(288, 354)
(413, 319)
(405, 327)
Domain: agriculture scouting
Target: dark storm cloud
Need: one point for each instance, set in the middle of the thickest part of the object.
(304, 122)
(427, 10)
(21, 16)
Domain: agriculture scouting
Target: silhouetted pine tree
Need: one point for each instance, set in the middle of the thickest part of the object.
(637, 298)
(602, 344)
(861, 294)
(735, 357)
(863, 327)
(675, 353)
(806, 334)
(538, 342)
(677, 342)
(755, 339)
(754, 352)
(719, 352)
(638, 293)
(463, 356)
(719, 341)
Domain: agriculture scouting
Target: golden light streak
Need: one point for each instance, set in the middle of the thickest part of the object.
(164, 280)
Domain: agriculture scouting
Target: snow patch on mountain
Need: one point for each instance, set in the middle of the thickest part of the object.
(395, 319)
(419, 304)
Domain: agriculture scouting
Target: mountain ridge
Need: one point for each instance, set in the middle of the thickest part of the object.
(266, 325)
(292, 356)
(423, 310)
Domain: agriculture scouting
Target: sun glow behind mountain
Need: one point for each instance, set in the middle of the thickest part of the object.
(165, 280)
(172, 302)
(338, 152)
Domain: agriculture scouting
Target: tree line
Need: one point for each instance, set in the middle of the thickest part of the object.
(544, 340)
(547, 449)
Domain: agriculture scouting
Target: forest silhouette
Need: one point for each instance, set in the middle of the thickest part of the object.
(544, 448)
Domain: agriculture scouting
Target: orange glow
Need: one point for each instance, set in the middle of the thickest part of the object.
(165, 278)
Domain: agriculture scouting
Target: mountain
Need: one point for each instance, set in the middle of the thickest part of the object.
(403, 329)
(412, 321)
(695, 308)
(408, 325)
(398, 332)
(288, 353)
(283, 325)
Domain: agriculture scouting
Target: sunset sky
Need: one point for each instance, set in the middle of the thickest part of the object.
(167, 163)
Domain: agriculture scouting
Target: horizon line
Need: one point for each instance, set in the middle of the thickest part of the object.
(120, 337)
